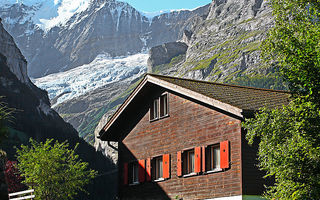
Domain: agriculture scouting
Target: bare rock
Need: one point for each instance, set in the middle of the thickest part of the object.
(164, 53)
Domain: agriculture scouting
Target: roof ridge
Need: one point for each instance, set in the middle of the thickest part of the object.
(222, 84)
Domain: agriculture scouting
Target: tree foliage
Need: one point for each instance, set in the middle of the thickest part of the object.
(289, 148)
(53, 170)
(294, 43)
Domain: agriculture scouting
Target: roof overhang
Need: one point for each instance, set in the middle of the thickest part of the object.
(172, 87)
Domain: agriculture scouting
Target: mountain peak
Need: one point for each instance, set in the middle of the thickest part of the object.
(47, 14)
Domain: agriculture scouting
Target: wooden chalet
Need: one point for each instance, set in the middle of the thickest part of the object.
(182, 139)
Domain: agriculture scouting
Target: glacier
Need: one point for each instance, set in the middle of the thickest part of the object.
(101, 71)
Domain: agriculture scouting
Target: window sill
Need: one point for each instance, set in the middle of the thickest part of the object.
(214, 171)
(189, 175)
(159, 180)
(156, 119)
(135, 183)
(164, 116)
(152, 120)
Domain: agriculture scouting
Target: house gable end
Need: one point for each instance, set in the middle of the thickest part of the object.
(147, 87)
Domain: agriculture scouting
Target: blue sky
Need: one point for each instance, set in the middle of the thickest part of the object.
(157, 5)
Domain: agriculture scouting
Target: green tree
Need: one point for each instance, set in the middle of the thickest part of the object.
(53, 170)
(294, 44)
(289, 148)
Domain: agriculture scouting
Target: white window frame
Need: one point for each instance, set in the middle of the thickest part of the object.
(188, 164)
(155, 108)
(213, 158)
(157, 168)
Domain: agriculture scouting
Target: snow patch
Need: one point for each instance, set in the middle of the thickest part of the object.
(102, 71)
(116, 12)
(10, 21)
(61, 12)
(47, 14)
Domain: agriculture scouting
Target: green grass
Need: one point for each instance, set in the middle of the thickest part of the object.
(159, 68)
(227, 52)
(247, 20)
(202, 64)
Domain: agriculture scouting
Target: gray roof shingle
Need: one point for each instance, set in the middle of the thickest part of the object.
(246, 98)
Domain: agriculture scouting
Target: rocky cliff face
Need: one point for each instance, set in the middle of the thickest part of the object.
(225, 45)
(164, 53)
(34, 117)
(106, 26)
(107, 148)
(17, 65)
(16, 62)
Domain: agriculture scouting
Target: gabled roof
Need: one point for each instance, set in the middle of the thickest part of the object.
(233, 99)
(245, 98)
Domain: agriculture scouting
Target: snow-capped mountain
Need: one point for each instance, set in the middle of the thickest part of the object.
(58, 35)
(89, 52)
(46, 14)
(102, 71)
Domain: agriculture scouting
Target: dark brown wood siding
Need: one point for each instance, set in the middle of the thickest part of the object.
(253, 181)
(189, 125)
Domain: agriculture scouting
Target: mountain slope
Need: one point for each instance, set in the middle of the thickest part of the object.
(103, 27)
(34, 117)
(225, 45)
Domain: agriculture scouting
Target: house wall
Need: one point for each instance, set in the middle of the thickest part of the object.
(253, 182)
(189, 125)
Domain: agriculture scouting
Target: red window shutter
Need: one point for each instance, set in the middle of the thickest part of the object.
(141, 171)
(179, 163)
(224, 154)
(148, 167)
(125, 173)
(203, 158)
(166, 165)
(197, 159)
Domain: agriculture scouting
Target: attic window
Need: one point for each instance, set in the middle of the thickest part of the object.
(154, 110)
(164, 105)
(159, 107)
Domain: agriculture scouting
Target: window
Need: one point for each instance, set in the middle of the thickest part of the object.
(213, 158)
(160, 167)
(133, 173)
(157, 168)
(154, 110)
(159, 107)
(188, 162)
(164, 105)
